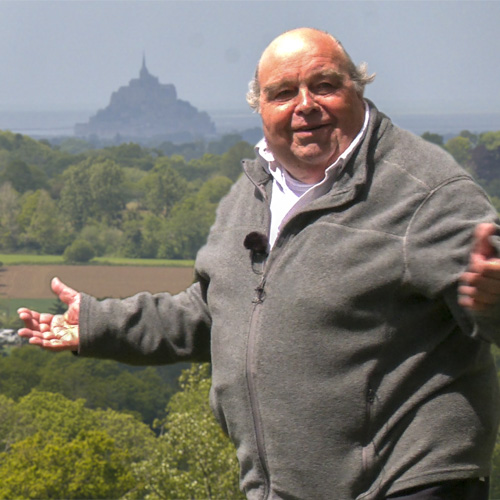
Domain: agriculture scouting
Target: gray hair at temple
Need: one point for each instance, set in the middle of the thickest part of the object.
(358, 74)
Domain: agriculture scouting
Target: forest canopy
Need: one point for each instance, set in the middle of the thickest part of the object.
(125, 201)
(69, 198)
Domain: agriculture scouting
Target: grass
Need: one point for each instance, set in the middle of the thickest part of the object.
(12, 260)
(9, 307)
(26, 259)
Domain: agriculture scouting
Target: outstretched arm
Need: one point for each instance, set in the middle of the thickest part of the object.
(480, 284)
(54, 332)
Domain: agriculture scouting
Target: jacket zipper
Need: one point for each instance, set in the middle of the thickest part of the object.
(251, 369)
(251, 373)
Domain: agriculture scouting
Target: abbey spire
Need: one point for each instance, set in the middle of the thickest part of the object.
(144, 73)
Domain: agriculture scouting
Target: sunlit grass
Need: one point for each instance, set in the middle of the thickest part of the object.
(122, 261)
(15, 259)
(10, 306)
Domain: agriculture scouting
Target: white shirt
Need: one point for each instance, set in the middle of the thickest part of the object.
(290, 195)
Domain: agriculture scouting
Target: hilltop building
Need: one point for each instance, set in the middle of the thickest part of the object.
(146, 108)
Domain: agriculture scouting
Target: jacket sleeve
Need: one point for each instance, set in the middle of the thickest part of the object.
(147, 328)
(437, 248)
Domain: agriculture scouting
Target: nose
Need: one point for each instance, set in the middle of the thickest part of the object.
(306, 102)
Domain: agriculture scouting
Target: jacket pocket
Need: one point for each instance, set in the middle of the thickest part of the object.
(368, 451)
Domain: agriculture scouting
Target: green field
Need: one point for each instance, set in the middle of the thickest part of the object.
(14, 259)
(10, 306)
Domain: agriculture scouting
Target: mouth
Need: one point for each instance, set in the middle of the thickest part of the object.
(310, 128)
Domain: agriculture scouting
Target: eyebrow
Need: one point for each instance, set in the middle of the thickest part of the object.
(329, 73)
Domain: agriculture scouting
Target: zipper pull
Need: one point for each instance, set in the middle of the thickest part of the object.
(260, 293)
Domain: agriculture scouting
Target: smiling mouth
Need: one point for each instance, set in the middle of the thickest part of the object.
(312, 128)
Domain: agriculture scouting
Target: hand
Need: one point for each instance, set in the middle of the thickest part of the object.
(480, 284)
(54, 332)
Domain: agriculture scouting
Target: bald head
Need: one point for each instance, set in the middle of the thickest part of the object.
(298, 39)
(289, 42)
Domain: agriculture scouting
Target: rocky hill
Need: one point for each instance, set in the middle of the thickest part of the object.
(146, 108)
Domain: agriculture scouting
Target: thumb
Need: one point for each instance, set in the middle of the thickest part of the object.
(66, 294)
(482, 248)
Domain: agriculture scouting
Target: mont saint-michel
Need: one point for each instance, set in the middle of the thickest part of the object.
(146, 108)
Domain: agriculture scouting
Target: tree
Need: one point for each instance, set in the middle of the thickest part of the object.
(74, 145)
(46, 465)
(152, 228)
(129, 155)
(8, 418)
(460, 148)
(193, 458)
(214, 190)
(80, 251)
(132, 240)
(22, 176)
(231, 160)
(473, 138)
(46, 230)
(106, 384)
(28, 202)
(188, 227)
(20, 371)
(434, 138)
(9, 212)
(486, 162)
(101, 237)
(163, 188)
(132, 177)
(225, 143)
(57, 448)
(491, 140)
(76, 198)
(106, 183)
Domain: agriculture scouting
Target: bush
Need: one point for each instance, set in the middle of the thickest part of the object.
(79, 251)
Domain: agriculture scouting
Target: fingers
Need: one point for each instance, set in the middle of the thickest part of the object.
(31, 319)
(480, 285)
(34, 322)
(55, 335)
(476, 300)
(480, 290)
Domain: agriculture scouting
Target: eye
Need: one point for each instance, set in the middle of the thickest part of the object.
(284, 94)
(324, 88)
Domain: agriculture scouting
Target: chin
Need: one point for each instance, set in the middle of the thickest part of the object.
(317, 161)
(316, 154)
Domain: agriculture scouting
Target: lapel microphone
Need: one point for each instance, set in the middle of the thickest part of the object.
(256, 242)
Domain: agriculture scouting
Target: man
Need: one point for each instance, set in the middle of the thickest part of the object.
(345, 364)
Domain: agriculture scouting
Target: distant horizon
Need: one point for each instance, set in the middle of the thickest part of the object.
(60, 123)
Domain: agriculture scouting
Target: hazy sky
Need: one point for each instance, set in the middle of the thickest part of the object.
(441, 56)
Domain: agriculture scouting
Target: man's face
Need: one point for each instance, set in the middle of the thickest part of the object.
(309, 107)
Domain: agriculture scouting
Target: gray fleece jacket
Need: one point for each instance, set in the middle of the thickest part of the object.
(343, 367)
